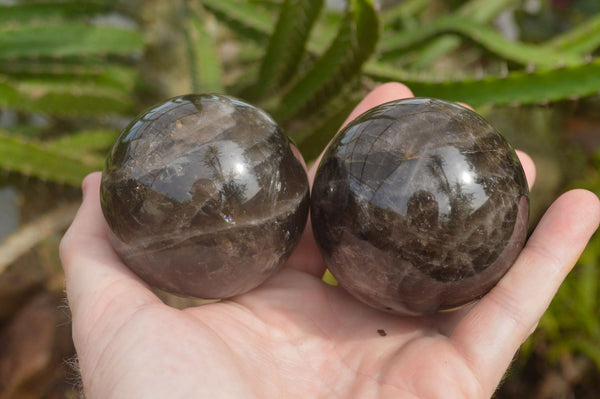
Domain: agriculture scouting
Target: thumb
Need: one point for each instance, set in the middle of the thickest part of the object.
(98, 282)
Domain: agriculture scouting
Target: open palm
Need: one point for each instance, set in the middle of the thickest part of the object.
(296, 337)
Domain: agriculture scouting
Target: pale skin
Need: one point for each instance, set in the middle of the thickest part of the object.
(296, 337)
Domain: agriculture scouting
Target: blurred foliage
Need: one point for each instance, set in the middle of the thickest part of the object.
(84, 63)
(562, 357)
(572, 323)
(62, 66)
(73, 72)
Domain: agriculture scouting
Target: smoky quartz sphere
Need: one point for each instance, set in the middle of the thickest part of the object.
(204, 196)
(419, 206)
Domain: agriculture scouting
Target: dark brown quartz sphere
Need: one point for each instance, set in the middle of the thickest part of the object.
(419, 205)
(204, 196)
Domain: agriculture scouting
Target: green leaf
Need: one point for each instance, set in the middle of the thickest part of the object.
(588, 290)
(248, 20)
(72, 98)
(314, 140)
(287, 43)
(252, 22)
(324, 31)
(70, 104)
(485, 10)
(27, 130)
(87, 141)
(205, 66)
(435, 49)
(483, 35)
(107, 75)
(517, 87)
(45, 11)
(383, 71)
(63, 98)
(329, 279)
(583, 39)
(67, 40)
(403, 10)
(31, 158)
(354, 44)
(315, 133)
(481, 11)
(9, 94)
(34, 86)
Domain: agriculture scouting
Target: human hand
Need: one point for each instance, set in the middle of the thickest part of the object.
(296, 337)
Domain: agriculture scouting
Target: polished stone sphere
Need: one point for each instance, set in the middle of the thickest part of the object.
(204, 196)
(419, 206)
